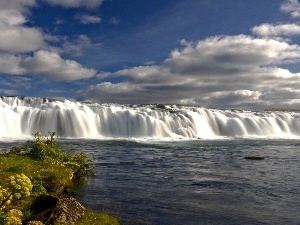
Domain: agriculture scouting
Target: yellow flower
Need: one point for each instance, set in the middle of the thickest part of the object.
(14, 217)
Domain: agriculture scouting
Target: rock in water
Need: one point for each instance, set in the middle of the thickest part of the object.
(254, 157)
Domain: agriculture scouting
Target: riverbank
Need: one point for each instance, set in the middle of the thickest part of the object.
(25, 179)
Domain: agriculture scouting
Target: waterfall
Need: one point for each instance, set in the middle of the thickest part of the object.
(22, 117)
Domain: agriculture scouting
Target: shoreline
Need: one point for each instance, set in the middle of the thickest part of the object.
(37, 185)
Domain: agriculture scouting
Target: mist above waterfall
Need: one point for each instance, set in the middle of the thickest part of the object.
(21, 117)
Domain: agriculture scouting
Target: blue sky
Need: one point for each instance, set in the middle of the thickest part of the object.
(210, 53)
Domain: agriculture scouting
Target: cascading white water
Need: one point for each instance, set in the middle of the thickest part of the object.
(24, 116)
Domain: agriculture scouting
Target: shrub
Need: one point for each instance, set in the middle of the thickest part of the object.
(46, 148)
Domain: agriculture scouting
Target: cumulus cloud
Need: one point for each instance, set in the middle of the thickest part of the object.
(227, 71)
(76, 3)
(51, 65)
(28, 50)
(292, 7)
(15, 37)
(87, 19)
(271, 30)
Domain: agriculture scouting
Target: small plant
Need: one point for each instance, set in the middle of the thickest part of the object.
(19, 186)
(38, 188)
(5, 197)
(80, 165)
(42, 147)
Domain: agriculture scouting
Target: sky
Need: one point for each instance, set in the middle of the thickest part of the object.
(210, 53)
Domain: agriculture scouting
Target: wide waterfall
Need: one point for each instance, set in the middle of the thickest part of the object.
(22, 117)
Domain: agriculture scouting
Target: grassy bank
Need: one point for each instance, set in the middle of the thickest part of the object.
(39, 167)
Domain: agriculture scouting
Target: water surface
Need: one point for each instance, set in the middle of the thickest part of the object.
(194, 182)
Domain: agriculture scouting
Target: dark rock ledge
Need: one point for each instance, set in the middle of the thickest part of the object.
(62, 209)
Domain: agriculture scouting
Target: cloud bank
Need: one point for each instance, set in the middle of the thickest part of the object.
(223, 71)
(238, 71)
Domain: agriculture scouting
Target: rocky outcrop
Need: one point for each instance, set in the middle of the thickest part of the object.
(52, 208)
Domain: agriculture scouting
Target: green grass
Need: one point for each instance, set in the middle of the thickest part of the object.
(54, 176)
(97, 218)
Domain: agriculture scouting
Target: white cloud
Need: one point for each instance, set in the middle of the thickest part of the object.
(221, 72)
(114, 20)
(116, 88)
(51, 65)
(76, 3)
(59, 21)
(17, 42)
(15, 37)
(8, 92)
(270, 30)
(10, 64)
(77, 45)
(20, 39)
(147, 73)
(102, 75)
(87, 19)
(234, 99)
(148, 63)
(11, 17)
(19, 5)
(16, 83)
(51, 38)
(292, 7)
(229, 54)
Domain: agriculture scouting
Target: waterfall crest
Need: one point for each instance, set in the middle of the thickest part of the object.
(24, 116)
